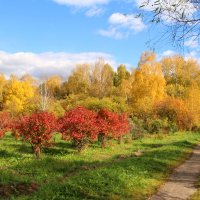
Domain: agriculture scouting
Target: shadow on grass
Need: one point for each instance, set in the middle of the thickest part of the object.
(177, 144)
(56, 150)
(63, 145)
(6, 154)
(22, 148)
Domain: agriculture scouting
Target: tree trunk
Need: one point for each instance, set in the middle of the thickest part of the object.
(120, 139)
(103, 141)
(37, 151)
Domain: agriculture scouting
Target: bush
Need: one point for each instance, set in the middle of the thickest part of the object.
(157, 125)
(82, 126)
(79, 125)
(161, 126)
(114, 104)
(1, 134)
(152, 125)
(56, 108)
(175, 111)
(138, 127)
(112, 125)
(37, 129)
(5, 123)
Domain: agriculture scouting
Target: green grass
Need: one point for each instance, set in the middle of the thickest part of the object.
(104, 174)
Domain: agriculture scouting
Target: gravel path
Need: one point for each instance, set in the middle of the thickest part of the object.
(181, 184)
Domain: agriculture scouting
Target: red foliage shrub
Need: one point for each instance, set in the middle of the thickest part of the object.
(111, 125)
(37, 129)
(123, 125)
(1, 134)
(80, 126)
(5, 123)
(14, 123)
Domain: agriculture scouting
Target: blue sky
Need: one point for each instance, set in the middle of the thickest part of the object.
(57, 34)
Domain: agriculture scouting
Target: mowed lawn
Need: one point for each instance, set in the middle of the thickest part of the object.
(113, 173)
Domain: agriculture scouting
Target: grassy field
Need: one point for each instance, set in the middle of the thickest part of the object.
(114, 173)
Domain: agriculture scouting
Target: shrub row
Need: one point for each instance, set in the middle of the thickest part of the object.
(79, 125)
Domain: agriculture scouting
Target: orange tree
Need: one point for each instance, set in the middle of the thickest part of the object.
(175, 110)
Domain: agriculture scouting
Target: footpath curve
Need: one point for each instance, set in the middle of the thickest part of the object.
(181, 184)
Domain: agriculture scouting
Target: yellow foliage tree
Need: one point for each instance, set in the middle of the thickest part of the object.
(149, 84)
(54, 86)
(17, 95)
(2, 86)
(193, 102)
(180, 74)
(78, 81)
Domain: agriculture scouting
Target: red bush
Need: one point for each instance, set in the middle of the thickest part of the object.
(1, 134)
(80, 126)
(5, 123)
(111, 125)
(37, 129)
(123, 125)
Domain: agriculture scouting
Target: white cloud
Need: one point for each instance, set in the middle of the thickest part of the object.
(190, 55)
(168, 53)
(81, 3)
(94, 12)
(48, 63)
(127, 21)
(121, 25)
(112, 33)
(194, 55)
(192, 43)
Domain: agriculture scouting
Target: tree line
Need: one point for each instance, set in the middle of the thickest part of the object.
(158, 96)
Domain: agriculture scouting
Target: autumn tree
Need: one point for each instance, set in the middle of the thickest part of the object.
(175, 110)
(78, 81)
(43, 95)
(121, 74)
(2, 87)
(180, 74)
(101, 81)
(192, 100)
(148, 85)
(123, 82)
(54, 86)
(17, 95)
(30, 79)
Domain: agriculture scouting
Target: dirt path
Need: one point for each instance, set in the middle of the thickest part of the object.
(181, 184)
